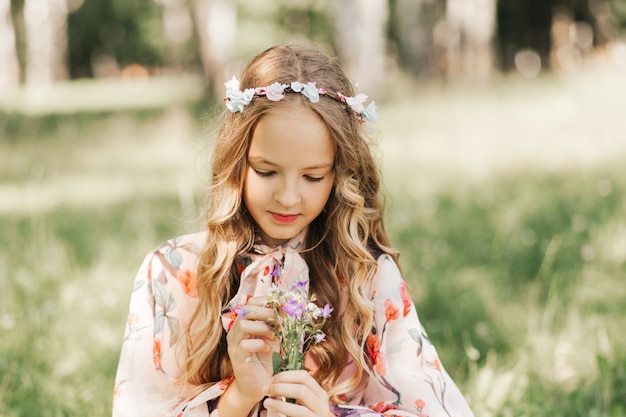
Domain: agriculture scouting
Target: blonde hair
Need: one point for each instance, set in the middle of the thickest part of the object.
(342, 240)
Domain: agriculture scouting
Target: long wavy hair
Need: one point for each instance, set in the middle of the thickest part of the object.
(342, 241)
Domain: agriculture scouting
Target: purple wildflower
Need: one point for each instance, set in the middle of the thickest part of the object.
(300, 285)
(320, 337)
(293, 308)
(326, 311)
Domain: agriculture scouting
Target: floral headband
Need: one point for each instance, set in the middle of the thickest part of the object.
(236, 100)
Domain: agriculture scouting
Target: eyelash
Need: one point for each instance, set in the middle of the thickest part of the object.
(270, 173)
(264, 173)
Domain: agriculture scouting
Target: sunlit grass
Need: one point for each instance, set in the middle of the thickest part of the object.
(508, 206)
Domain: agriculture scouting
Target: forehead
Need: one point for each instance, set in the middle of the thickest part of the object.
(292, 135)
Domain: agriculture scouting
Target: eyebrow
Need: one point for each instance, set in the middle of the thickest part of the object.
(261, 160)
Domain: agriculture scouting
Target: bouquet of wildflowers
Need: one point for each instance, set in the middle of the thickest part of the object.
(298, 322)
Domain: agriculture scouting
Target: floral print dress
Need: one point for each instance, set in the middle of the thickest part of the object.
(408, 377)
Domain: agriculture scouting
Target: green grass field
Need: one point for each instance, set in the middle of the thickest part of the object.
(508, 204)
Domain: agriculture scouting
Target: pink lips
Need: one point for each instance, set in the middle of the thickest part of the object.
(284, 218)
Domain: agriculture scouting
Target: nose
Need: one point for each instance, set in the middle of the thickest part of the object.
(287, 195)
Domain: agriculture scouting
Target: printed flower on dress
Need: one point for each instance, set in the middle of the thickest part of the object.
(383, 407)
(156, 353)
(406, 299)
(188, 282)
(376, 356)
(298, 322)
(420, 404)
(391, 311)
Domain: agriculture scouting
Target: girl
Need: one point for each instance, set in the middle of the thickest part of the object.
(294, 195)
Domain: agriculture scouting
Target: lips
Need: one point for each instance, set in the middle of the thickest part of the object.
(284, 218)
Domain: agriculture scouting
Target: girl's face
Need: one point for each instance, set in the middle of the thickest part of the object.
(290, 172)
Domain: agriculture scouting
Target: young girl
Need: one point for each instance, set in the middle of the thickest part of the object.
(294, 194)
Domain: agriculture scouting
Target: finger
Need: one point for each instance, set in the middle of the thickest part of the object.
(301, 386)
(249, 328)
(254, 346)
(253, 312)
(260, 301)
(299, 377)
(295, 391)
(287, 408)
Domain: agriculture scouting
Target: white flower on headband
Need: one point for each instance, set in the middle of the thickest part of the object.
(236, 100)
(370, 113)
(310, 91)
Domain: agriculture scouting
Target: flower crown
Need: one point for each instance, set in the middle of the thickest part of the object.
(236, 100)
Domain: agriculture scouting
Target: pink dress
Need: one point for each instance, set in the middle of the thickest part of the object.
(409, 379)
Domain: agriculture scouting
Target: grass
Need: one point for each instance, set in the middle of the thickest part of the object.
(508, 205)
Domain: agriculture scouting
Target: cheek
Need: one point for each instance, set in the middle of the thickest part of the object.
(326, 194)
(253, 189)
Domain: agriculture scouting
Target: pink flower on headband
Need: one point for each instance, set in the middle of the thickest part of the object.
(356, 103)
(274, 92)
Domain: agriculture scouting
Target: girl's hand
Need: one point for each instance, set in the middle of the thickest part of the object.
(250, 346)
(311, 399)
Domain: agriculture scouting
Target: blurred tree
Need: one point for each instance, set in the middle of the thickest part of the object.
(615, 12)
(470, 27)
(361, 41)
(107, 35)
(547, 26)
(178, 30)
(215, 24)
(411, 29)
(45, 23)
(9, 65)
(310, 19)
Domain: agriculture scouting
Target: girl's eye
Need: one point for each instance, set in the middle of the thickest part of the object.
(313, 179)
(264, 173)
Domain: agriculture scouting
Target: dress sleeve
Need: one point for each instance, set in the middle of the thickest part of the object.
(163, 295)
(408, 377)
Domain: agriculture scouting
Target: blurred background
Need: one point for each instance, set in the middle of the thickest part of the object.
(501, 140)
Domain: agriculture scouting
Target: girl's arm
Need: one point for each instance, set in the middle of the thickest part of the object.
(409, 374)
(162, 294)
(409, 379)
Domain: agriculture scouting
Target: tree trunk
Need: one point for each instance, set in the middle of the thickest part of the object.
(9, 66)
(177, 27)
(46, 40)
(215, 23)
(413, 29)
(360, 39)
(472, 26)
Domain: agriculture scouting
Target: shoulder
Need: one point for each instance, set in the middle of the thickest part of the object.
(176, 258)
(181, 249)
(193, 243)
(387, 268)
(389, 281)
